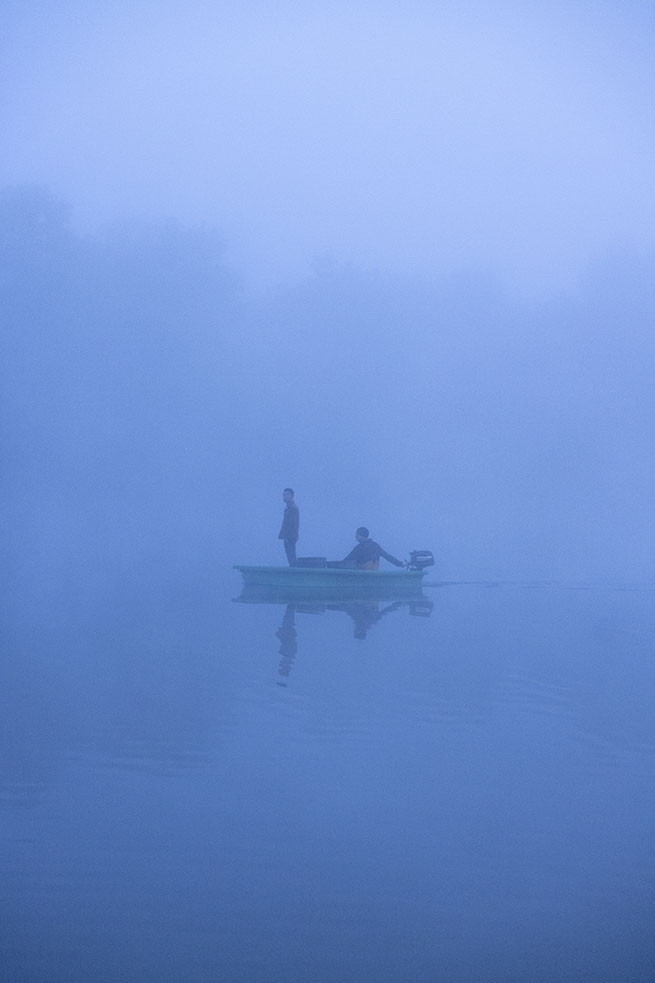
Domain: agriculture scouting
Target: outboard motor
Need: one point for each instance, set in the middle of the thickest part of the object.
(420, 559)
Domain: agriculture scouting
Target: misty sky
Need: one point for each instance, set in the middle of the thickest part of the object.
(426, 138)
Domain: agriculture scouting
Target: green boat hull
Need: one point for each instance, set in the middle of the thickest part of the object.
(330, 578)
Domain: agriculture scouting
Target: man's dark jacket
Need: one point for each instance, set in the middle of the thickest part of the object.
(369, 552)
(290, 523)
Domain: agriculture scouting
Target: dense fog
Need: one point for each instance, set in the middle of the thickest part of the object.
(401, 258)
(402, 265)
(153, 410)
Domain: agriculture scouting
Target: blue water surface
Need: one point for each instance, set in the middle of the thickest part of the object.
(455, 789)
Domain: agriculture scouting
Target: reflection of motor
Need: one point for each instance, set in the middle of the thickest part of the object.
(420, 559)
(421, 608)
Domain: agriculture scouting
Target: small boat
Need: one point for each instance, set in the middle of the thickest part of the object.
(329, 578)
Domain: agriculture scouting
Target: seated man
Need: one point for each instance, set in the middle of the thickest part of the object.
(366, 555)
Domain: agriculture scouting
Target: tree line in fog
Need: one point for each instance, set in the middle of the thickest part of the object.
(152, 407)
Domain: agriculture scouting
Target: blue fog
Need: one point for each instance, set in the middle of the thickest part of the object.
(405, 265)
(155, 409)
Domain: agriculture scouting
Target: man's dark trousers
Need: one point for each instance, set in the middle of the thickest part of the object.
(290, 550)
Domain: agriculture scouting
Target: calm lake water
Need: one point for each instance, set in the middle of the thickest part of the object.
(457, 788)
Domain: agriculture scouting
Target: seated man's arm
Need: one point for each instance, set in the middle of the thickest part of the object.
(390, 558)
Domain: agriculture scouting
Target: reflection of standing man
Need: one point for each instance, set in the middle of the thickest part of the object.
(288, 641)
(290, 525)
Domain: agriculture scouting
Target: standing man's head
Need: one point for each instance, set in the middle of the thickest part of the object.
(287, 496)
(361, 534)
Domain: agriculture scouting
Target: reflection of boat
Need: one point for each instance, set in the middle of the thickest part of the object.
(365, 606)
(322, 598)
(359, 604)
(322, 578)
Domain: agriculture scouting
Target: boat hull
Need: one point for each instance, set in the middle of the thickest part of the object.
(330, 578)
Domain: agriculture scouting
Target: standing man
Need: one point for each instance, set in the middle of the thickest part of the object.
(290, 525)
